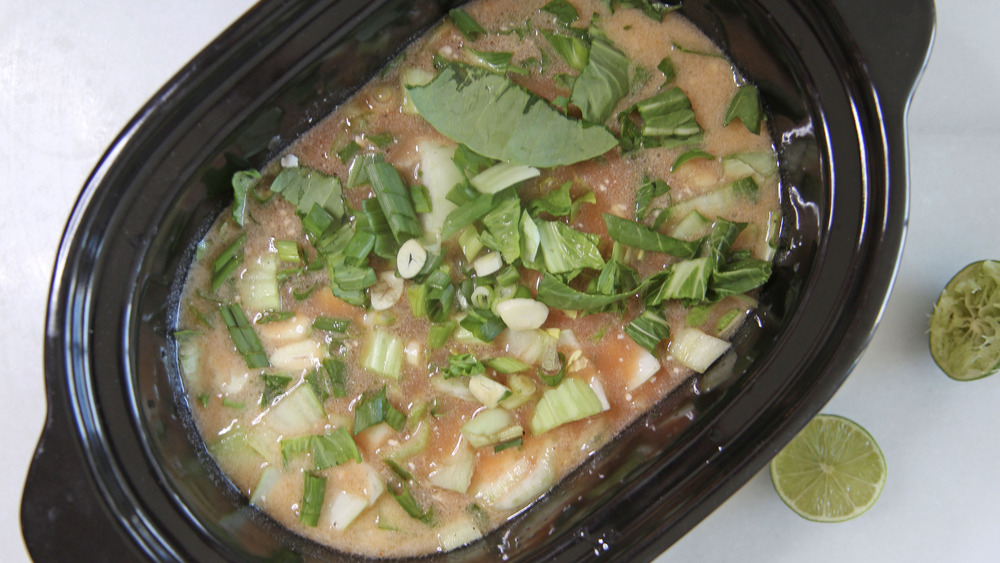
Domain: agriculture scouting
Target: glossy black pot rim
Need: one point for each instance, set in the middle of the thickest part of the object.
(84, 472)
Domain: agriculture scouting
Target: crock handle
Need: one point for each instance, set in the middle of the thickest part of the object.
(895, 38)
(62, 516)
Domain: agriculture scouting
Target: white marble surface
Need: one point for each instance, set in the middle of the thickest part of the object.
(73, 73)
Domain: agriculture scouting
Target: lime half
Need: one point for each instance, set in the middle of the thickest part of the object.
(831, 472)
(965, 324)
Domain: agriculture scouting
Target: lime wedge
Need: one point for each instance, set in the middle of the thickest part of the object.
(831, 472)
(965, 324)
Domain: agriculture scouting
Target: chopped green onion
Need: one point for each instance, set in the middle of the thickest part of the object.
(439, 334)
(466, 25)
(421, 197)
(288, 251)
(684, 49)
(182, 334)
(394, 199)
(401, 492)
(506, 364)
(381, 140)
(313, 491)
(516, 442)
(554, 379)
(688, 155)
(243, 335)
(229, 403)
(274, 316)
(227, 262)
(330, 324)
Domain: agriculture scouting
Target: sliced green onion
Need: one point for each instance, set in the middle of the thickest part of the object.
(439, 334)
(516, 442)
(246, 340)
(274, 316)
(394, 199)
(688, 155)
(227, 262)
(421, 197)
(401, 492)
(554, 379)
(466, 25)
(288, 251)
(483, 324)
(383, 353)
(330, 324)
(313, 491)
(506, 364)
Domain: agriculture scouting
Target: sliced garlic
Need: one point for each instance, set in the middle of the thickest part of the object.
(411, 258)
(386, 291)
(522, 313)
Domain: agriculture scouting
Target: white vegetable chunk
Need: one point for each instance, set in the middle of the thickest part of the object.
(298, 356)
(695, 349)
(646, 365)
(439, 174)
(489, 263)
(522, 313)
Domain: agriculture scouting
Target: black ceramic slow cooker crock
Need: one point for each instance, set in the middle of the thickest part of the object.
(119, 475)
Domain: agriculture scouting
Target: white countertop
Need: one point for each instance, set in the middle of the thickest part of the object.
(73, 73)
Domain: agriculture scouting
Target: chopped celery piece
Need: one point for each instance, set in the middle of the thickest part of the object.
(383, 354)
(456, 533)
(572, 400)
(313, 491)
(696, 349)
(454, 472)
(259, 284)
(268, 479)
(416, 443)
(298, 412)
(522, 390)
(502, 176)
(487, 391)
(693, 226)
(491, 426)
(506, 364)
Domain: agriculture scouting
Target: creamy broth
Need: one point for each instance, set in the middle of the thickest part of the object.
(438, 490)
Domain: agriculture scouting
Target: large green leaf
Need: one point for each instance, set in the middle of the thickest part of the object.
(497, 118)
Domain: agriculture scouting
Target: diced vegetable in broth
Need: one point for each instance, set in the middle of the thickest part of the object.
(514, 241)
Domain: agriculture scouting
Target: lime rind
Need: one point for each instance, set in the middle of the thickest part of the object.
(831, 472)
(965, 324)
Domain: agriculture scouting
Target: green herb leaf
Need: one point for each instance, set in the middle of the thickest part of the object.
(244, 182)
(483, 324)
(602, 83)
(566, 250)
(513, 124)
(688, 155)
(374, 409)
(648, 330)
(564, 12)
(745, 106)
(574, 50)
(666, 66)
(463, 365)
(466, 25)
(333, 448)
(637, 235)
(557, 294)
(304, 187)
(647, 192)
(330, 324)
